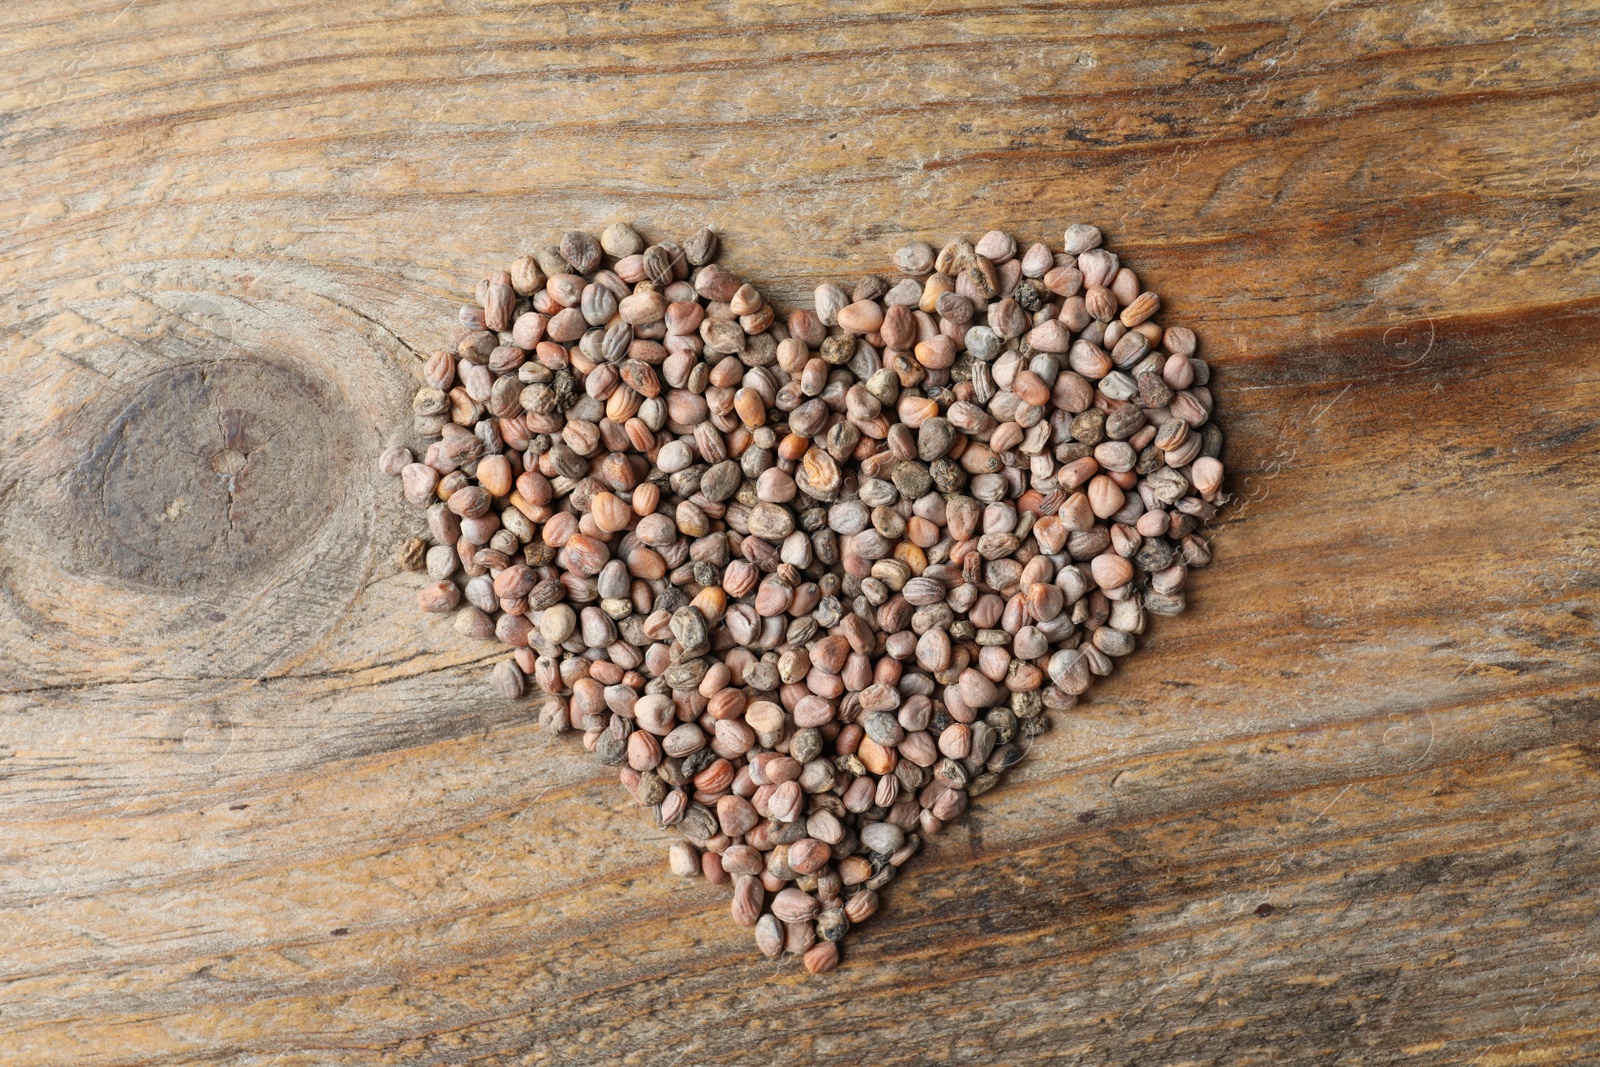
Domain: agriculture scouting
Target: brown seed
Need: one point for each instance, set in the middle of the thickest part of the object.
(683, 859)
(750, 406)
(736, 815)
(864, 316)
(770, 936)
(821, 957)
(441, 597)
(820, 475)
(809, 855)
(498, 306)
(853, 870)
(494, 474)
(610, 513)
(875, 757)
(799, 937)
(1206, 475)
(515, 581)
(1100, 303)
(936, 353)
(471, 621)
(793, 906)
(1142, 307)
(748, 896)
(1031, 389)
(1105, 496)
(419, 482)
(412, 554)
(508, 680)
(787, 802)
(1111, 571)
(743, 859)
(862, 906)
(585, 555)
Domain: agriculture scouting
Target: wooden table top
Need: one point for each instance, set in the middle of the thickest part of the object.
(258, 811)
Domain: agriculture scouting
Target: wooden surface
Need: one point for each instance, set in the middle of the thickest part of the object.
(257, 811)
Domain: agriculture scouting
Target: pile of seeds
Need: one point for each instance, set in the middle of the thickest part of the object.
(811, 584)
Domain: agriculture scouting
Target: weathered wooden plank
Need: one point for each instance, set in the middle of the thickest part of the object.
(1340, 812)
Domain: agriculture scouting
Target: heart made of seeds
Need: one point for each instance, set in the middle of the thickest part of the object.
(814, 584)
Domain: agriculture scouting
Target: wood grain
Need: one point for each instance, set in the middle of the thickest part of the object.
(258, 812)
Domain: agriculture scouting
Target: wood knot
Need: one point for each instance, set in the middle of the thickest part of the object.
(212, 472)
